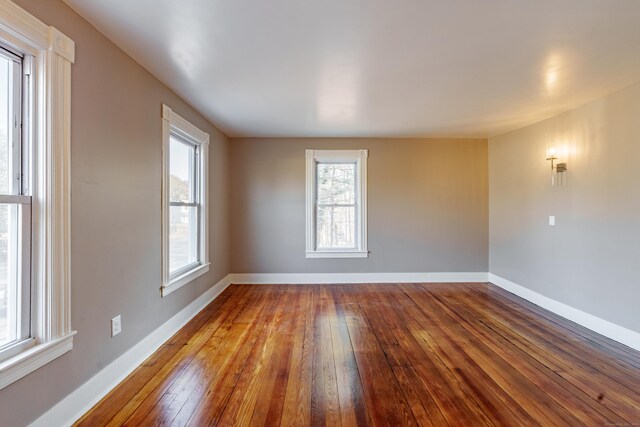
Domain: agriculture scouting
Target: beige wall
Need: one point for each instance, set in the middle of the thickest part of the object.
(427, 206)
(590, 259)
(115, 213)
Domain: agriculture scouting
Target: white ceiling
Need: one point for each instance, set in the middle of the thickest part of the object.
(378, 67)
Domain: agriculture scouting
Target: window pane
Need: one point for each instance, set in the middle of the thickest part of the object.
(336, 227)
(336, 183)
(6, 110)
(9, 282)
(181, 171)
(183, 237)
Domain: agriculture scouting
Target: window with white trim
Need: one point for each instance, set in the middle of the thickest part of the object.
(185, 218)
(336, 204)
(35, 119)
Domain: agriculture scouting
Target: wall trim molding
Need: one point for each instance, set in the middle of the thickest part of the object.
(603, 327)
(312, 158)
(74, 405)
(174, 124)
(319, 278)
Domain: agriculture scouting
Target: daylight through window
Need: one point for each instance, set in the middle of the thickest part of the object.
(185, 209)
(35, 144)
(15, 213)
(336, 203)
(336, 206)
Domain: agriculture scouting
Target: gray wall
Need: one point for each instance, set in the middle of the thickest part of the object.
(115, 213)
(428, 206)
(590, 259)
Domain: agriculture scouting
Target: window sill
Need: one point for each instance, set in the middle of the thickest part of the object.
(182, 280)
(13, 369)
(338, 254)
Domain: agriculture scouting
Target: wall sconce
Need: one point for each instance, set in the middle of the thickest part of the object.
(557, 169)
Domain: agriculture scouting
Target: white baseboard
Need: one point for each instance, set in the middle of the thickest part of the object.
(72, 407)
(601, 326)
(318, 278)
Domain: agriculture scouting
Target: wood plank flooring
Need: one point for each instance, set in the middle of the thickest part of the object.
(397, 355)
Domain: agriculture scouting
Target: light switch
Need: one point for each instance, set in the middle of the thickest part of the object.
(552, 220)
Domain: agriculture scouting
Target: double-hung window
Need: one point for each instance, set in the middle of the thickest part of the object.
(185, 215)
(15, 213)
(35, 138)
(336, 203)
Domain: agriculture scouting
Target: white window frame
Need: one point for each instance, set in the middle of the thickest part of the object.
(48, 134)
(359, 157)
(172, 123)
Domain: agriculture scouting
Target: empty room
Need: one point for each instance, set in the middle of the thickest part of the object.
(307, 213)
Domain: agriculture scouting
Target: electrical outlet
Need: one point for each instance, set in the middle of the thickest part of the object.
(552, 220)
(116, 325)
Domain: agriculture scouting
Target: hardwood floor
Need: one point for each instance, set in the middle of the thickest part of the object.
(401, 354)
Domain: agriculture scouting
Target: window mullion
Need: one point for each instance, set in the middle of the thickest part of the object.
(337, 205)
(196, 174)
(190, 204)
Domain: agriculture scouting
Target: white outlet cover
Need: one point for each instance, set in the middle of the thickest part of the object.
(116, 325)
(552, 220)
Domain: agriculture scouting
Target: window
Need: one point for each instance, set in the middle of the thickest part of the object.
(336, 204)
(185, 237)
(15, 214)
(35, 89)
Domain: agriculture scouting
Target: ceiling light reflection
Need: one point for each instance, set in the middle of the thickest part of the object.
(337, 93)
(552, 75)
